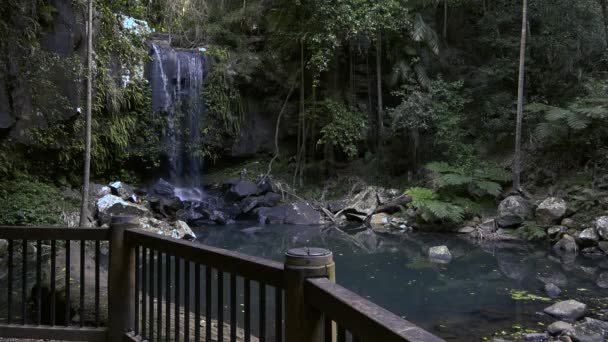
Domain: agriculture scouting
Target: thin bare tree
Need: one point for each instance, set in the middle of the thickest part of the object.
(517, 161)
(87, 139)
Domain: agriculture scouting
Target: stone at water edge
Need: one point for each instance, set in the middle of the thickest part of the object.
(379, 220)
(302, 213)
(535, 337)
(555, 232)
(551, 211)
(601, 225)
(466, 230)
(365, 202)
(559, 327)
(566, 245)
(440, 254)
(590, 330)
(602, 280)
(513, 211)
(163, 188)
(183, 230)
(568, 310)
(603, 246)
(552, 290)
(588, 237)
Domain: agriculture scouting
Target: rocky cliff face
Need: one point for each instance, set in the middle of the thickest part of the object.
(61, 35)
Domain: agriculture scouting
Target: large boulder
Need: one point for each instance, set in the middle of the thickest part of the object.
(363, 203)
(551, 211)
(123, 191)
(163, 188)
(177, 229)
(302, 213)
(568, 310)
(110, 205)
(513, 211)
(242, 189)
(601, 225)
(588, 237)
(566, 245)
(298, 213)
(590, 330)
(559, 327)
(440, 254)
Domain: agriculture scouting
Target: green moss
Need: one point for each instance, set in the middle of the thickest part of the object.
(30, 202)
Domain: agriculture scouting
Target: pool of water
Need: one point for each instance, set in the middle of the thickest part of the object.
(465, 300)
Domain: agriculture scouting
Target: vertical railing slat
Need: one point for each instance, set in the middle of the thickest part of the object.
(144, 290)
(137, 287)
(168, 297)
(67, 282)
(341, 334)
(151, 296)
(177, 298)
(262, 304)
(278, 320)
(159, 296)
(233, 306)
(39, 282)
(98, 287)
(197, 302)
(23, 280)
(328, 329)
(9, 290)
(82, 284)
(220, 305)
(208, 303)
(247, 309)
(53, 279)
(186, 300)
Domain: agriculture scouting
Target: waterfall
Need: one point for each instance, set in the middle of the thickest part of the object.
(176, 77)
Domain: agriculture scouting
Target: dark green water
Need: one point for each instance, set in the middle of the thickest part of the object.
(465, 300)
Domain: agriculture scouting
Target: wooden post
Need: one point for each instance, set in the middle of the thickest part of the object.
(121, 279)
(304, 323)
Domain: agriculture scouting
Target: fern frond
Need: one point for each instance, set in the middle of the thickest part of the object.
(577, 121)
(556, 113)
(442, 167)
(453, 179)
(490, 188)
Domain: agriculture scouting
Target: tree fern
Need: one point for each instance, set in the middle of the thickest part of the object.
(432, 208)
(479, 181)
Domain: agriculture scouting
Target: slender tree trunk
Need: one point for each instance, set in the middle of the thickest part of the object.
(604, 4)
(87, 140)
(445, 20)
(379, 129)
(517, 162)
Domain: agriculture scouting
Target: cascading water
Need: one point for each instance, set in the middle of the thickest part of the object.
(176, 76)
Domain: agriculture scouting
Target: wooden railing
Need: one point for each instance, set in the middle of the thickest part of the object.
(163, 289)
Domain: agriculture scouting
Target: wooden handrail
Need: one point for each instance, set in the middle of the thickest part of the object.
(54, 233)
(253, 268)
(360, 316)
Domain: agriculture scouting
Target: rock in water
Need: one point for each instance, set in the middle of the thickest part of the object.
(365, 202)
(601, 225)
(110, 205)
(551, 211)
(602, 280)
(555, 232)
(559, 327)
(552, 290)
(302, 213)
(513, 211)
(566, 245)
(590, 330)
(535, 337)
(569, 310)
(378, 221)
(588, 237)
(440, 254)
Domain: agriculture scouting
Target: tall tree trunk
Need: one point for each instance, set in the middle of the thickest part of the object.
(379, 128)
(84, 208)
(604, 4)
(445, 20)
(517, 162)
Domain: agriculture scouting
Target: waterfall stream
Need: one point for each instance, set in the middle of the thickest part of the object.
(176, 77)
